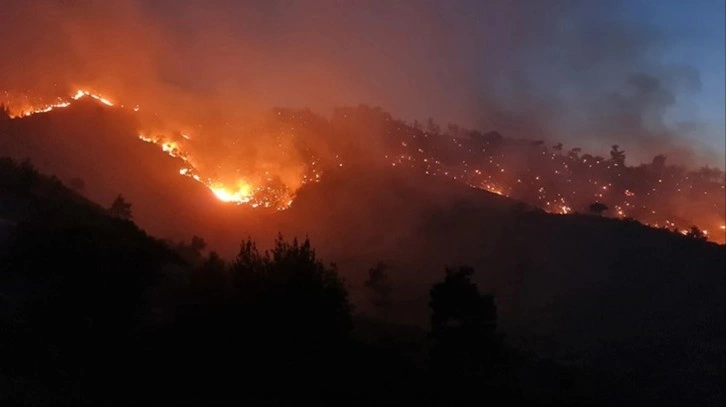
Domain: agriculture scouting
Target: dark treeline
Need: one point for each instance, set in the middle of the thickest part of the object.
(96, 312)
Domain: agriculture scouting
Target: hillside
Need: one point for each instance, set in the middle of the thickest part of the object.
(644, 304)
(94, 310)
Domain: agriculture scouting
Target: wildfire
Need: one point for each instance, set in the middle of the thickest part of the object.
(558, 182)
(60, 104)
(563, 182)
(82, 93)
(239, 192)
(242, 194)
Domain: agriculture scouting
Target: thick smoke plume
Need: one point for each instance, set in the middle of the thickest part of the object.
(568, 71)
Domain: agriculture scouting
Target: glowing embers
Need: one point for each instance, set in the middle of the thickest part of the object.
(81, 93)
(264, 194)
(29, 108)
(242, 194)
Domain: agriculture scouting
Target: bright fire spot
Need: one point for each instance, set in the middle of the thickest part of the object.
(81, 93)
(241, 195)
(258, 190)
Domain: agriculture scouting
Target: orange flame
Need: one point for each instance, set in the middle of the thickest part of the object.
(255, 193)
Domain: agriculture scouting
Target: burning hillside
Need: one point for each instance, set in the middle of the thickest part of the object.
(258, 188)
(300, 146)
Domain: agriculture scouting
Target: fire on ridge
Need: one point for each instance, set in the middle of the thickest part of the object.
(553, 186)
(239, 192)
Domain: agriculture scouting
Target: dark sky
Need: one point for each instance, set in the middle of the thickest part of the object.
(644, 74)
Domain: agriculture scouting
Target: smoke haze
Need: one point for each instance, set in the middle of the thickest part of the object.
(569, 71)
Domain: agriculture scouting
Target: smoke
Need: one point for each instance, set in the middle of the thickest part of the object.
(567, 71)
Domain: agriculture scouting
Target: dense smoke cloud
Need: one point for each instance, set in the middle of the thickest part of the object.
(570, 71)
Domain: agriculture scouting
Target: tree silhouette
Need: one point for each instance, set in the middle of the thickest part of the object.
(120, 208)
(4, 112)
(191, 252)
(198, 244)
(574, 153)
(696, 233)
(617, 155)
(710, 174)
(463, 323)
(296, 291)
(379, 290)
(597, 208)
(432, 127)
(659, 162)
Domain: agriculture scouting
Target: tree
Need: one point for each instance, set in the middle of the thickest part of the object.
(198, 244)
(432, 127)
(617, 155)
(696, 233)
(710, 174)
(463, 323)
(597, 208)
(379, 289)
(293, 290)
(659, 162)
(574, 154)
(120, 208)
(4, 112)
(192, 252)
(557, 147)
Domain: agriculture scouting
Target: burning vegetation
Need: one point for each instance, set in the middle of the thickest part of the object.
(301, 146)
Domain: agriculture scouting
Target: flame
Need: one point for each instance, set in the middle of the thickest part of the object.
(45, 108)
(242, 194)
(239, 192)
(486, 171)
(82, 93)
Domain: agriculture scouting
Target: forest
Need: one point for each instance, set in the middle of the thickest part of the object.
(96, 311)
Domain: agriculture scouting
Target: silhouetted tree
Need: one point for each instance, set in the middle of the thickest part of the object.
(696, 233)
(191, 252)
(659, 162)
(294, 288)
(617, 155)
(379, 289)
(463, 323)
(29, 175)
(208, 291)
(198, 244)
(432, 127)
(597, 208)
(557, 147)
(4, 112)
(710, 174)
(120, 208)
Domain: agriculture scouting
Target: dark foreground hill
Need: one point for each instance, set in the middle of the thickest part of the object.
(96, 312)
(644, 305)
